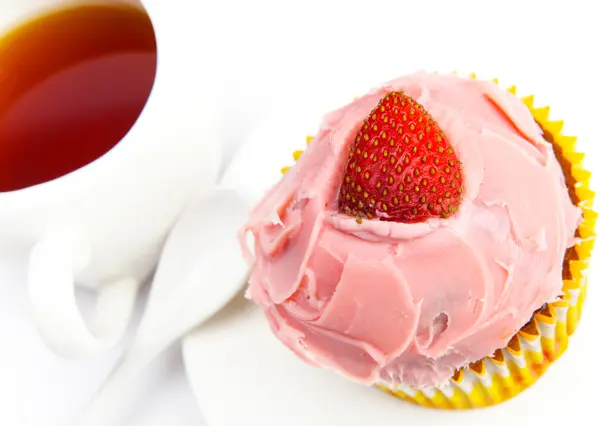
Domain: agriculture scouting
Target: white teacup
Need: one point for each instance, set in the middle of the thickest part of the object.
(102, 226)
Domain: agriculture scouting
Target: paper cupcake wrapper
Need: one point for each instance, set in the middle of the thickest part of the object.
(545, 337)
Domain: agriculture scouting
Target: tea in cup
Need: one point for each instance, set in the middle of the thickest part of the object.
(107, 130)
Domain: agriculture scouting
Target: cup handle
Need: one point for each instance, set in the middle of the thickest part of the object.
(53, 263)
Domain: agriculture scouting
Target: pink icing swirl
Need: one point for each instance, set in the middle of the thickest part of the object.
(411, 303)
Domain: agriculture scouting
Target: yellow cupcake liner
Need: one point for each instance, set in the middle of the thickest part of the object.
(545, 337)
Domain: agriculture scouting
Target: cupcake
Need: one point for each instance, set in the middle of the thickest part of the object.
(432, 241)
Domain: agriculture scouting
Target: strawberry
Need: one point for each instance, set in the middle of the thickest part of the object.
(400, 168)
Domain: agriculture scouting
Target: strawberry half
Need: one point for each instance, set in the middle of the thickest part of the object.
(400, 168)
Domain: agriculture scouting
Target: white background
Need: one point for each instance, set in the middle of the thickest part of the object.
(265, 52)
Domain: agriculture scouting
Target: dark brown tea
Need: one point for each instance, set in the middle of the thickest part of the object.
(72, 84)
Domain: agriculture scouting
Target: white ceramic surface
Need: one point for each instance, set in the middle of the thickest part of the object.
(102, 226)
(183, 294)
(234, 361)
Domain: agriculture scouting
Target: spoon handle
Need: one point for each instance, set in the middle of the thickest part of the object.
(114, 395)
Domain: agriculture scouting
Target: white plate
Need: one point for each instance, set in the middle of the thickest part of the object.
(242, 375)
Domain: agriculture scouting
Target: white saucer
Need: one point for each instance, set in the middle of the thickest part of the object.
(241, 374)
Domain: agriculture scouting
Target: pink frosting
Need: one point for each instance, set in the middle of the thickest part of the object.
(411, 303)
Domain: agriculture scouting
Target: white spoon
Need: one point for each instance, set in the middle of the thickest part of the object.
(201, 268)
(200, 271)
